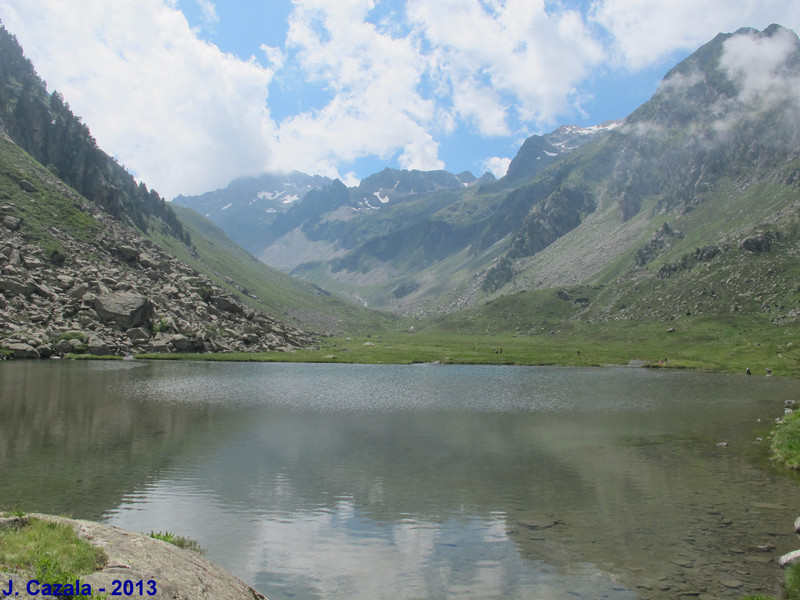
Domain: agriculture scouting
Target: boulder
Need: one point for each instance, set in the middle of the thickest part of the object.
(177, 573)
(228, 304)
(125, 309)
(78, 290)
(11, 223)
(22, 350)
(158, 347)
(16, 287)
(127, 253)
(137, 334)
(98, 347)
(66, 346)
(149, 261)
(43, 291)
(789, 558)
(182, 343)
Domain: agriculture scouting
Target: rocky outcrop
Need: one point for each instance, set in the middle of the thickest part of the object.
(119, 294)
(175, 572)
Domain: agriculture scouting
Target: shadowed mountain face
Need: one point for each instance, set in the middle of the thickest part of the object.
(576, 204)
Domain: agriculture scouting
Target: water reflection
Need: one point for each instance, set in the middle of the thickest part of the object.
(317, 481)
(339, 552)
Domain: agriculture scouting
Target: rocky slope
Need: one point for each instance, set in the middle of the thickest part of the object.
(100, 287)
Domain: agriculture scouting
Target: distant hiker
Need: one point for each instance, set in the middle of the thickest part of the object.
(747, 370)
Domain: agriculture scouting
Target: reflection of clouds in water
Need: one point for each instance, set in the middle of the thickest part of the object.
(338, 553)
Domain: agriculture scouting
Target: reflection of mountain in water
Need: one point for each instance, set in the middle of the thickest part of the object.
(74, 438)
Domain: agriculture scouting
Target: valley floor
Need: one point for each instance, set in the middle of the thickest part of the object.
(719, 344)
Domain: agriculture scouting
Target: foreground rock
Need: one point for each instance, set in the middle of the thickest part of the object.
(178, 574)
(119, 294)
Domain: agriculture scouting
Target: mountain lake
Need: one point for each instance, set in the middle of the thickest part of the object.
(313, 481)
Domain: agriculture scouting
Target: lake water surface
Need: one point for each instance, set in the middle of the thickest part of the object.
(424, 481)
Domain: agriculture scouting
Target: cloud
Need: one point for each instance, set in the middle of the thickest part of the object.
(375, 108)
(492, 56)
(209, 12)
(759, 65)
(398, 90)
(497, 166)
(644, 33)
(178, 112)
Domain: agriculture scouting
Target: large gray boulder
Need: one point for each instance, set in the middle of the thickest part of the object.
(228, 304)
(11, 223)
(98, 347)
(22, 350)
(125, 309)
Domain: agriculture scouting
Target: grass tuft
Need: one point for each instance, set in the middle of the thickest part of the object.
(178, 540)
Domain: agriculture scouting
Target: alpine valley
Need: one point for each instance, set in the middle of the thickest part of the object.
(682, 216)
(687, 206)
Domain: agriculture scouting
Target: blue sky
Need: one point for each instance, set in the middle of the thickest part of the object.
(190, 94)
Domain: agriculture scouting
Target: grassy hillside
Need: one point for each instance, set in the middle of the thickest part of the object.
(49, 202)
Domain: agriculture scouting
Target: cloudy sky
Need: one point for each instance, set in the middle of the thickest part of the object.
(189, 94)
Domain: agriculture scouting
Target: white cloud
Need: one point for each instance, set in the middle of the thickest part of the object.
(179, 113)
(497, 166)
(209, 12)
(644, 33)
(375, 109)
(457, 64)
(759, 65)
(491, 56)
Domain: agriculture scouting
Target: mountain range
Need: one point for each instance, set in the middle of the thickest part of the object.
(709, 159)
